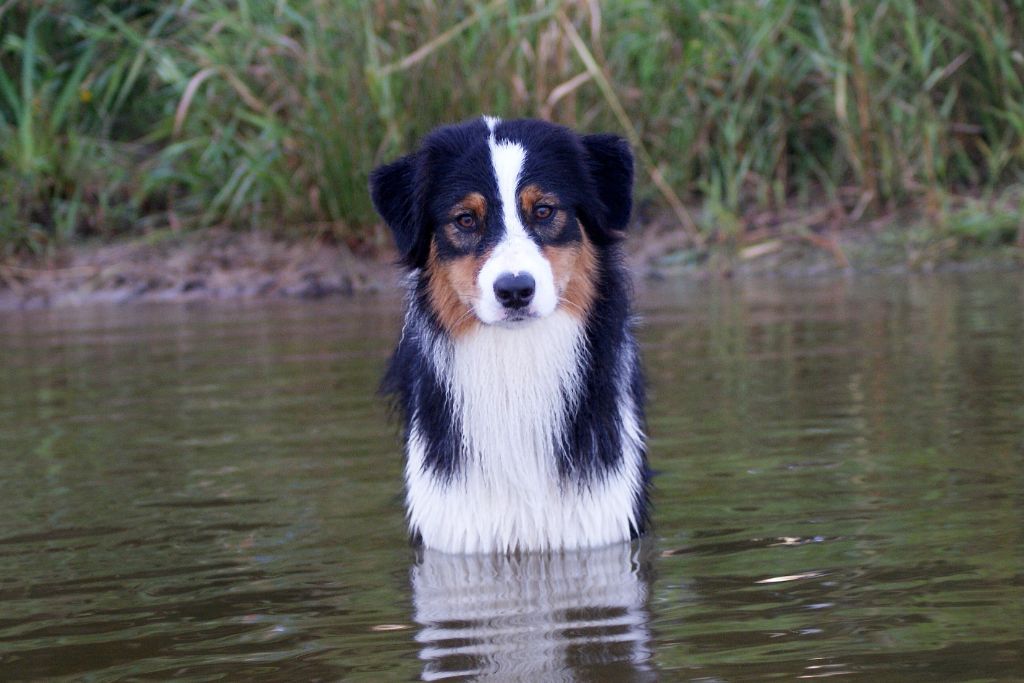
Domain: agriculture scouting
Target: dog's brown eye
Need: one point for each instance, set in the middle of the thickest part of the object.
(543, 212)
(466, 222)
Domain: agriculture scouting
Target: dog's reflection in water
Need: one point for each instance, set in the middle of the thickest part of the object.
(538, 617)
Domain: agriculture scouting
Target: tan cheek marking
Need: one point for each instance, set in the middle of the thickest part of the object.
(575, 271)
(452, 288)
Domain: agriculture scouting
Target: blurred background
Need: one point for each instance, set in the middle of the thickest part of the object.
(751, 121)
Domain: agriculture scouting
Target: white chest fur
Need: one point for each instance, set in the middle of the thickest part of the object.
(513, 389)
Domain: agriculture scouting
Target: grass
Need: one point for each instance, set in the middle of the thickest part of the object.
(118, 118)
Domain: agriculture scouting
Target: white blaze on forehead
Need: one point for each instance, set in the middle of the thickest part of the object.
(508, 159)
(516, 252)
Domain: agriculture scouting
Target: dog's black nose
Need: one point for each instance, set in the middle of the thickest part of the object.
(514, 291)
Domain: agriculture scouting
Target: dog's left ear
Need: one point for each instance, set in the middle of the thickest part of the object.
(393, 190)
(610, 163)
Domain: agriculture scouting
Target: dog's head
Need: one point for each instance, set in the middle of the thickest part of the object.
(505, 219)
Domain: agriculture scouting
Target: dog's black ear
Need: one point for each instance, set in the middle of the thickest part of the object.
(393, 190)
(610, 163)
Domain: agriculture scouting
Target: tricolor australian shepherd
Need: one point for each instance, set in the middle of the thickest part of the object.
(517, 374)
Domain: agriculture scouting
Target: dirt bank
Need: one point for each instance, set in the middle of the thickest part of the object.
(222, 265)
(209, 265)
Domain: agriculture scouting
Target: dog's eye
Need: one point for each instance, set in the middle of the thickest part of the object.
(465, 222)
(543, 212)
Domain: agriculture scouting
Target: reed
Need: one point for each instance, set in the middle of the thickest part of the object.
(118, 118)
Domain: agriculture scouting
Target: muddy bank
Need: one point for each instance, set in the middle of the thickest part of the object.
(209, 265)
(224, 265)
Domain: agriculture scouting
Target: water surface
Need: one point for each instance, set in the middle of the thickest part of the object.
(213, 491)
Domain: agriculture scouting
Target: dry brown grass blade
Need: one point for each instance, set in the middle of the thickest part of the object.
(425, 50)
(561, 90)
(862, 100)
(683, 216)
(186, 98)
(181, 112)
(243, 91)
(829, 245)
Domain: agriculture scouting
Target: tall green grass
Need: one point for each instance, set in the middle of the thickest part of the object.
(118, 117)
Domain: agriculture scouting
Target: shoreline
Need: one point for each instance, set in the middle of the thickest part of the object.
(213, 265)
(222, 265)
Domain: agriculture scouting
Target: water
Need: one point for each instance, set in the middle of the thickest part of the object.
(213, 492)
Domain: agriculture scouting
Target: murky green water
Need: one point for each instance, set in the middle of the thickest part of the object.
(213, 492)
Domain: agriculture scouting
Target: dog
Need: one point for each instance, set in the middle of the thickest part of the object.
(517, 376)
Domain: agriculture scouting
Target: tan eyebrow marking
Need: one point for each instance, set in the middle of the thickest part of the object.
(531, 195)
(473, 202)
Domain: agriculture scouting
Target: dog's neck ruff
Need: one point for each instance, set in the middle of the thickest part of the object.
(513, 391)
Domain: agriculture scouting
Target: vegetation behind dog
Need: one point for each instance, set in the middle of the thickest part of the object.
(751, 121)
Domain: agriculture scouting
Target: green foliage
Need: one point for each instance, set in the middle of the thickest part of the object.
(121, 116)
(68, 92)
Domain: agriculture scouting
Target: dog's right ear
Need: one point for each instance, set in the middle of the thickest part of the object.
(393, 190)
(610, 163)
